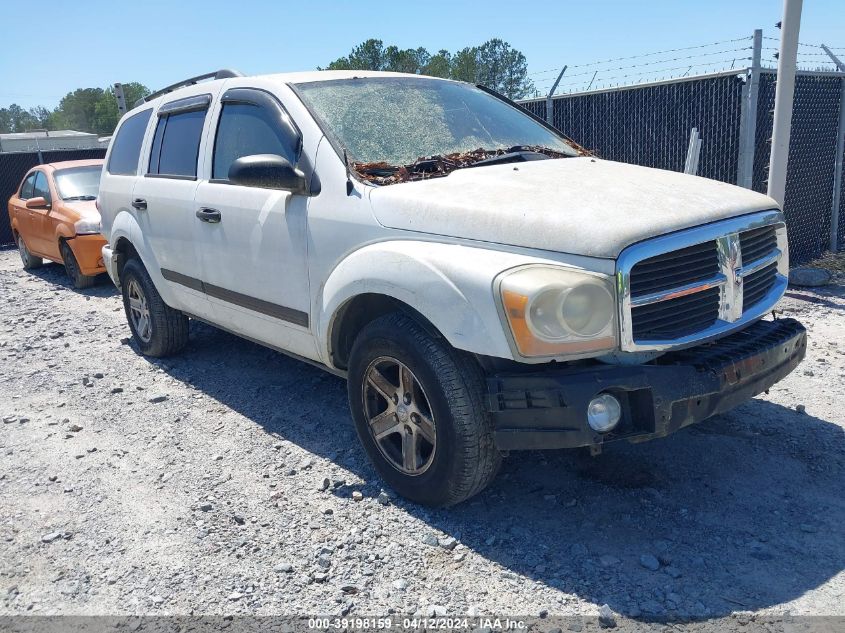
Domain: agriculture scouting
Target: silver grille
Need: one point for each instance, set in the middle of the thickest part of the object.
(695, 285)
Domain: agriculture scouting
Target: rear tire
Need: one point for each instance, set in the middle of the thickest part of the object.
(406, 386)
(158, 329)
(80, 281)
(29, 260)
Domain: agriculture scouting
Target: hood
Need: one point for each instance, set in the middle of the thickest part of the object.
(85, 209)
(583, 206)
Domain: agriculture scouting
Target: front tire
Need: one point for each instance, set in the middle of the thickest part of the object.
(80, 281)
(418, 406)
(158, 329)
(29, 260)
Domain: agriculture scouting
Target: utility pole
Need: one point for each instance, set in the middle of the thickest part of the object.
(121, 98)
(550, 118)
(38, 148)
(784, 93)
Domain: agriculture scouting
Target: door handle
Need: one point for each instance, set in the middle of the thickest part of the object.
(211, 216)
(140, 204)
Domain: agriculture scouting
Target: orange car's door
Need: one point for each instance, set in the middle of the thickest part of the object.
(55, 216)
(45, 242)
(23, 216)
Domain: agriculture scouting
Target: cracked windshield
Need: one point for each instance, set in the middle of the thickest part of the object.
(398, 129)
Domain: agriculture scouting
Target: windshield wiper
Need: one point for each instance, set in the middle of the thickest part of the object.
(439, 165)
(519, 156)
(80, 198)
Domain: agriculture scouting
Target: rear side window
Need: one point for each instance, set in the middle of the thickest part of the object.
(27, 186)
(176, 144)
(245, 129)
(41, 188)
(126, 146)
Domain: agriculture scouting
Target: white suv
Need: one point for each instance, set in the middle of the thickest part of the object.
(482, 284)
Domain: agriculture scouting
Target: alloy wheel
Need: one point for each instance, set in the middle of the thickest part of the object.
(139, 311)
(399, 416)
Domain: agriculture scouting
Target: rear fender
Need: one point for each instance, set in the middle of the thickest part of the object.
(125, 226)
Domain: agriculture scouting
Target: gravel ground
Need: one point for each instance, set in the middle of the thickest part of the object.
(229, 480)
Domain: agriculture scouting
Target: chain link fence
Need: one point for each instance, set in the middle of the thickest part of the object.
(812, 158)
(650, 125)
(13, 168)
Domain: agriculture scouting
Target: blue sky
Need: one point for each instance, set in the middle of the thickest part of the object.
(94, 43)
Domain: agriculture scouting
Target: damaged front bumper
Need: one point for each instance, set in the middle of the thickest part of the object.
(87, 249)
(548, 409)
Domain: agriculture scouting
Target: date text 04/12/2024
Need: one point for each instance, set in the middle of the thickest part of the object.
(418, 623)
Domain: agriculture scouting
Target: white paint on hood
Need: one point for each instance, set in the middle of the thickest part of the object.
(582, 206)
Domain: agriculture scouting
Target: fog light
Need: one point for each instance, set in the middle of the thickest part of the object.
(603, 413)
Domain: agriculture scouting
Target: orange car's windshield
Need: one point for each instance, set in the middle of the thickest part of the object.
(78, 183)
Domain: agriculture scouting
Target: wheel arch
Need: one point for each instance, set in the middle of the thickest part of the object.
(125, 250)
(63, 232)
(63, 235)
(445, 288)
(362, 309)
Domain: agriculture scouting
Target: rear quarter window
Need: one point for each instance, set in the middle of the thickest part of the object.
(126, 146)
(176, 144)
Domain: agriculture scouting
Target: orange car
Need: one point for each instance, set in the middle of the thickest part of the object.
(53, 216)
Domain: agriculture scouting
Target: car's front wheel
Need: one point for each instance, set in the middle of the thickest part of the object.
(29, 260)
(419, 411)
(79, 280)
(158, 329)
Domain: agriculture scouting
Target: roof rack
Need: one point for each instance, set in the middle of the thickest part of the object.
(225, 73)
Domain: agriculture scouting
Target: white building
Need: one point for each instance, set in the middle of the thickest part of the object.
(45, 141)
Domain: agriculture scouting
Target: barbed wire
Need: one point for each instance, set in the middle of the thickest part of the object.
(650, 63)
(663, 52)
(643, 76)
(777, 39)
(652, 69)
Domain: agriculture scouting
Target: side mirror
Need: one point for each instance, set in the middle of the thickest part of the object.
(37, 203)
(268, 171)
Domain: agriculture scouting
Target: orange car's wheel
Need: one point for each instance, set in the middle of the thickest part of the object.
(29, 260)
(158, 329)
(79, 280)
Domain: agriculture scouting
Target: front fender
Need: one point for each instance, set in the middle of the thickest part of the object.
(450, 285)
(63, 231)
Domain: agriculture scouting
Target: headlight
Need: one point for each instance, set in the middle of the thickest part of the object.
(555, 311)
(87, 226)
